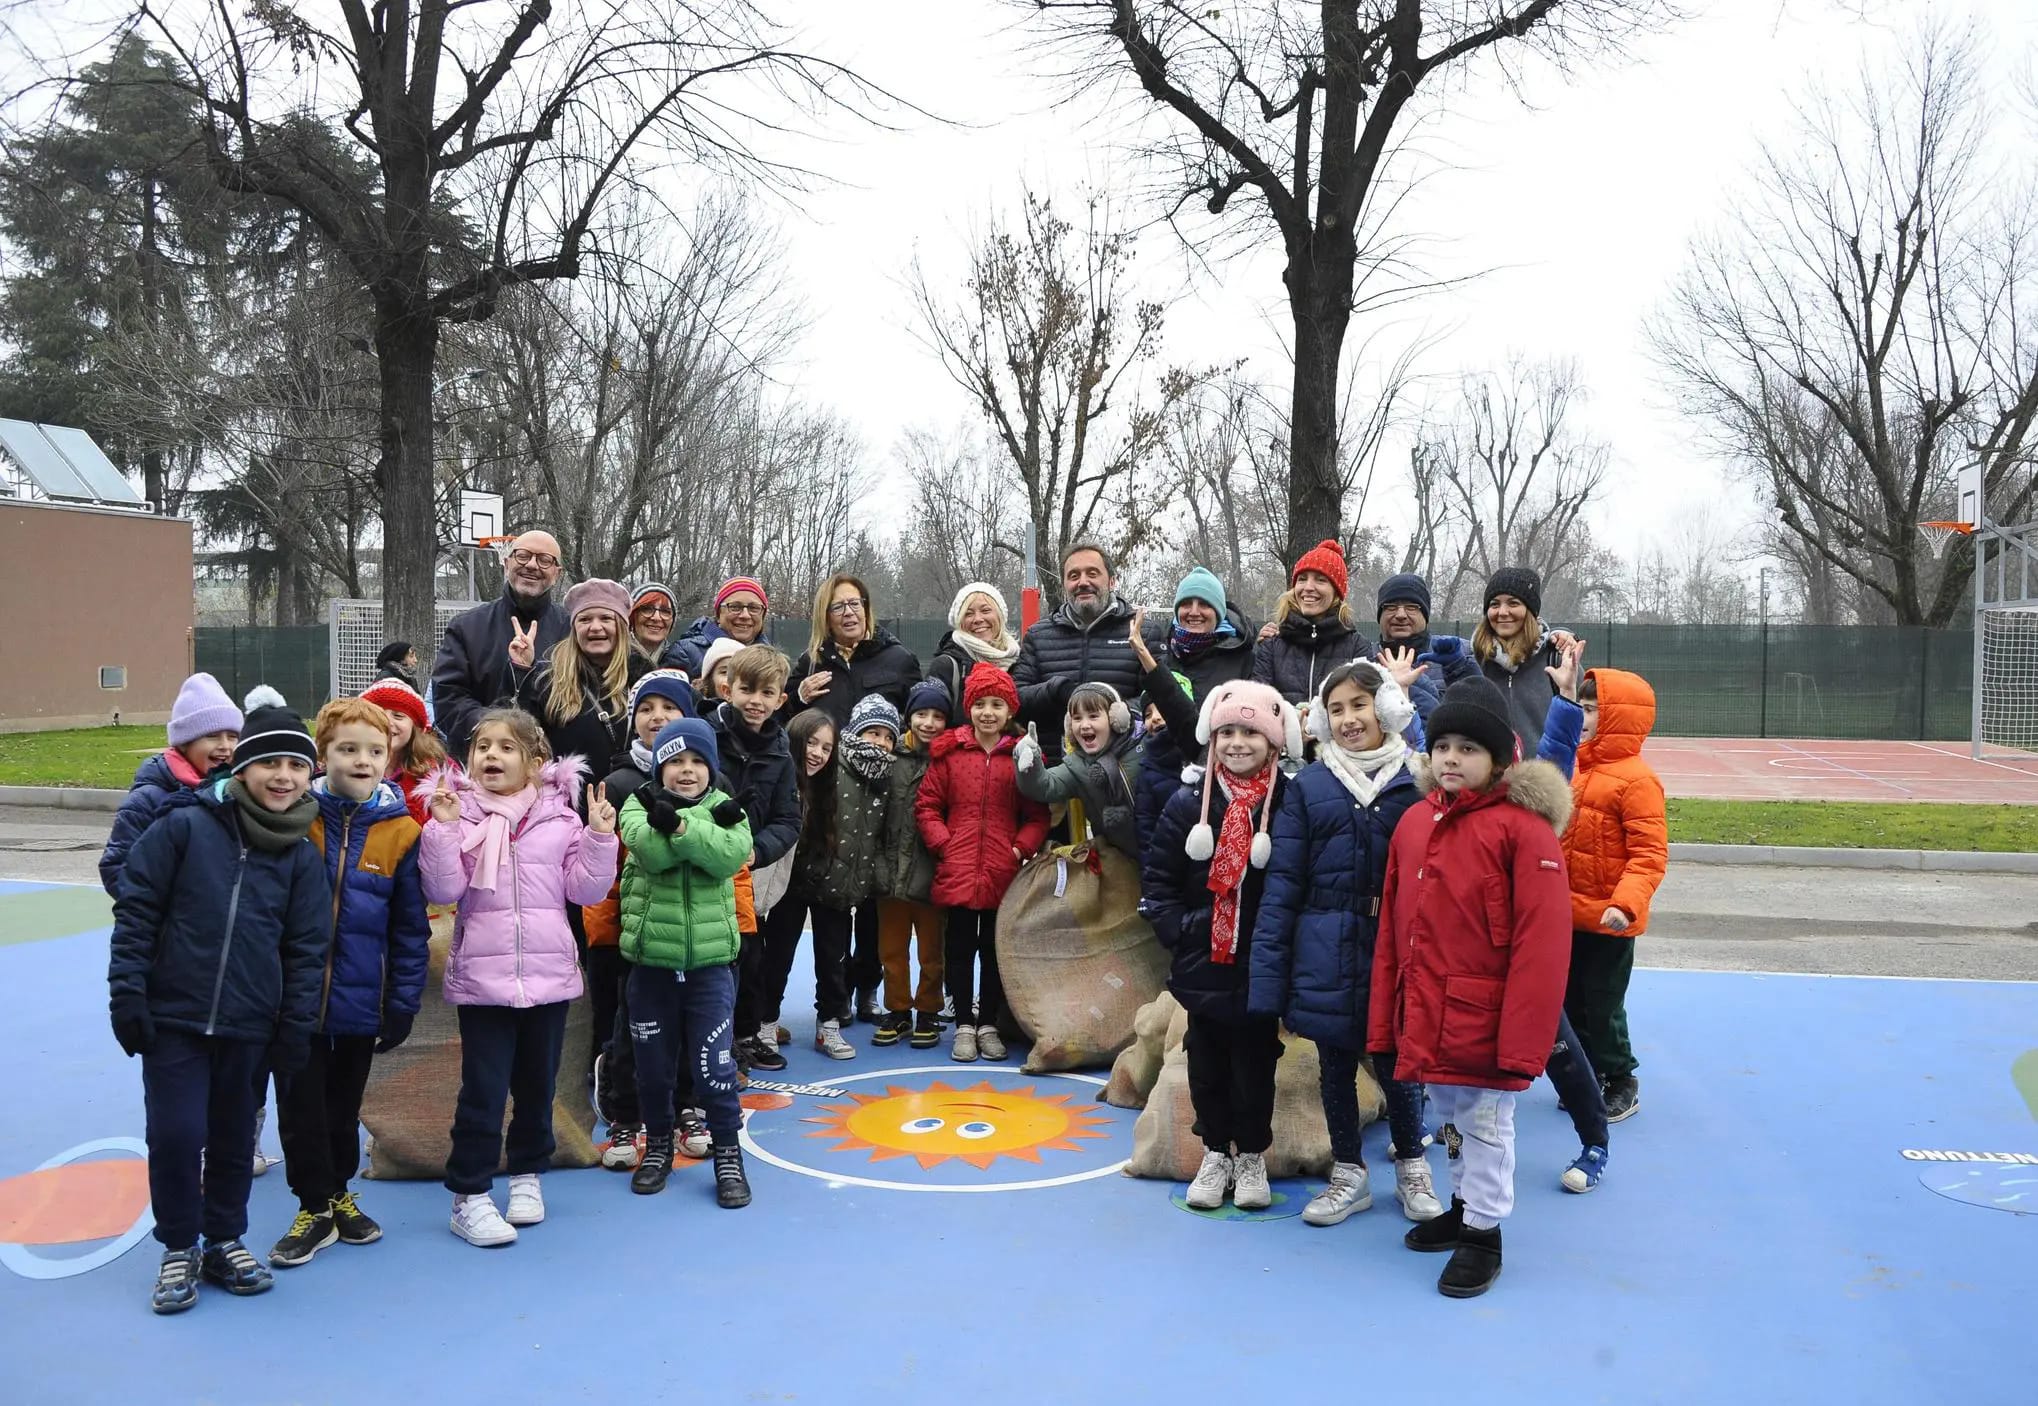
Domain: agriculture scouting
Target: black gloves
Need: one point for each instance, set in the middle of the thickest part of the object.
(135, 1028)
(661, 808)
(727, 812)
(288, 1055)
(395, 1030)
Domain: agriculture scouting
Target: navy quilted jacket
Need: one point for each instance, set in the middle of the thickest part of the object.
(381, 935)
(1176, 899)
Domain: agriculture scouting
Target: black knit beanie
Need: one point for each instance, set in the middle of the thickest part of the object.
(1522, 583)
(273, 729)
(1406, 588)
(1474, 708)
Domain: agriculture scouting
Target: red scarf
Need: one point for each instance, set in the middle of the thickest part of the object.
(1233, 853)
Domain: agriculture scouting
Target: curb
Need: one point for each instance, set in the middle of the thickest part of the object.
(62, 798)
(1961, 861)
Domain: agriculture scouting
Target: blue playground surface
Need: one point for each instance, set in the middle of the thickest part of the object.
(923, 1229)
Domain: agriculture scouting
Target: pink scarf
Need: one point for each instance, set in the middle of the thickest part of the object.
(1234, 851)
(500, 817)
(180, 767)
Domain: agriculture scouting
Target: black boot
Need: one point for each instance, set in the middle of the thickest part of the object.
(1439, 1234)
(926, 1031)
(892, 1028)
(1474, 1266)
(732, 1188)
(764, 1055)
(649, 1178)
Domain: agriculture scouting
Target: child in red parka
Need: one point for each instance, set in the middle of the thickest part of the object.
(1469, 967)
(979, 830)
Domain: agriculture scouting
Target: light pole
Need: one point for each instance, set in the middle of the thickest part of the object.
(1763, 711)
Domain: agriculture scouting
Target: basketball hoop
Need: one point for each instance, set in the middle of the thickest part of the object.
(1938, 534)
(499, 545)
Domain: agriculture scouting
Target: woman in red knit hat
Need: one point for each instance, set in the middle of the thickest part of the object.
(1314, 631)
(414, 750)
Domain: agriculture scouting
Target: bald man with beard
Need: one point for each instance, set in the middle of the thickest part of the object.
(467, 676)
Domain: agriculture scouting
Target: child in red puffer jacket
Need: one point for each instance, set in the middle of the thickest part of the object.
(979, 830)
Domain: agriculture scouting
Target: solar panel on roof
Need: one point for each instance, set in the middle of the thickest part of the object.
(39, 459)
(92, 465)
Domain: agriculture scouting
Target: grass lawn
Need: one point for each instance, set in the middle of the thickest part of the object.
(88, 756)
(1855, 825)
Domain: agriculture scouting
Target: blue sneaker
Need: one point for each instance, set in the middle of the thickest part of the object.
(1584, 1174)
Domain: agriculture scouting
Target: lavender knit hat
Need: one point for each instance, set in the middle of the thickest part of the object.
(202, 707)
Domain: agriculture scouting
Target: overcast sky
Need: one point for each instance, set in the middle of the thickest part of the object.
(1579, 204)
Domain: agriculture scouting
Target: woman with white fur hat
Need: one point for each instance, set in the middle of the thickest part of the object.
(1312, 950)
(1204, 873)
(980, 632)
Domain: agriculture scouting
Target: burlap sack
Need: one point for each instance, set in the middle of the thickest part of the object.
(1076, 958)
(1165, 1145)
(1138, 1066)
(408, 1108)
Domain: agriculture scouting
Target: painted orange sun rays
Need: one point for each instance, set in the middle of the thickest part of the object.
(941, 1123)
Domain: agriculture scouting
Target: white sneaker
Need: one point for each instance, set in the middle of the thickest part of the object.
(828, 1040)
(694, 1140)
(1213, 1179)
(1350, 1191)
(624, 1149)
(1415, 1191)
(965, 1050)
(478, 1222)
(1249, 1189)
(526, 1200)
(990, 1044)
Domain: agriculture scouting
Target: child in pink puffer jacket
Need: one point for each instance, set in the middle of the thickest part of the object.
(505, 843)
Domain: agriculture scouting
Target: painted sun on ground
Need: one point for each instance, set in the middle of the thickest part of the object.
(940, 1123)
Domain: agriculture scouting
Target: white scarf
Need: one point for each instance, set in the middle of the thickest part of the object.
(1366, 774)
(1001, 651)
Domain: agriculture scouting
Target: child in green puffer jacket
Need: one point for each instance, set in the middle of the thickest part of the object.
(686, 842)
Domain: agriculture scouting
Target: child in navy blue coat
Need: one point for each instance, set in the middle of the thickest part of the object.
(1312, 951)
(220, 927)
(204, 726)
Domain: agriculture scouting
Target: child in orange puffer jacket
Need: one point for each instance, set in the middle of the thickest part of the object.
(1616, 851)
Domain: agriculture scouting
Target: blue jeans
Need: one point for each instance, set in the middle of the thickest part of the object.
(688, 1016)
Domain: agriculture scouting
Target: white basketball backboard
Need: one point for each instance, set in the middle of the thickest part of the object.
(480, 516)
(1968, 503)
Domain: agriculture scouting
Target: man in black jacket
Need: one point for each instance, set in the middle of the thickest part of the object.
(467, 676)
(1083, 642)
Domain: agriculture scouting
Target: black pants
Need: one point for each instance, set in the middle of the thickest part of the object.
(866, 961)
(1231, 1081)
(199, 1094)
(507, 1056)
(750, 981)
(1596, 1000)
(1337, 1076)
(973, 934)
(683, 1021)
(606, 973)
(616, 1091)
(831, 962)
(318, 1117)
(781, 933)
(1576, 1083)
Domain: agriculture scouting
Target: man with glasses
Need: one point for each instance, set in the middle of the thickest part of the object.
(468, 674)
(739, 607)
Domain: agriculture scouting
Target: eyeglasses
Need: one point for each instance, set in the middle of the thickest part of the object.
(847, 607)
(664, 610)
(524, 557)
(746, 608)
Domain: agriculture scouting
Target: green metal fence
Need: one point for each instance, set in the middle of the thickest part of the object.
(1901, 684)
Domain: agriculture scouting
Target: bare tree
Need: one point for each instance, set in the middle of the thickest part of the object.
(1858, 331)
(1050, 343)
(1291, 118)
(498, 138)
(964, 520)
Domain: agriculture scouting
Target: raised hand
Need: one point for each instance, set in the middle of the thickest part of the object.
(1400, 662)
(601, 814)
(815, 684)
(1565, 673)
(523, 646)
(445, 805)
(1026, 755)
(1138, 641)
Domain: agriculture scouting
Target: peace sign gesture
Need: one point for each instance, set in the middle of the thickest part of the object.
(445, 805)
(523, 646)
(601, 815)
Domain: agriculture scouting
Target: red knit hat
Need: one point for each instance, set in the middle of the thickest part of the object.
(988, 680)
(396, 696)
(741, 583)
(1327, 557)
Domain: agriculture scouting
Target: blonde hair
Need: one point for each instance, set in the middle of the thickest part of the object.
(523, 730)
(343, 712)
(759, 666)
(564, 698)
(1485, 643)
(1286, 606)
(822, 598)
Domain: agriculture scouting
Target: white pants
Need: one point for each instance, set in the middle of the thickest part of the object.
(1482, 1162)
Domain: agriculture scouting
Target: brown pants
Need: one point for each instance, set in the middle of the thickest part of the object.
(897, 921)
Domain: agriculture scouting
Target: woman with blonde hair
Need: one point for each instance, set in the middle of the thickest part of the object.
(1517, 652)
(580, 691)
(848, 656)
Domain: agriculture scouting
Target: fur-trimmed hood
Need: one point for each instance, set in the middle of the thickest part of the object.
(1536, 786)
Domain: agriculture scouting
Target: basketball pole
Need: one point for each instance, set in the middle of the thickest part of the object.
(1980, 565)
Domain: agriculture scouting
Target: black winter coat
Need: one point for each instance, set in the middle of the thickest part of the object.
(880, 665)
(216, 936)
(1295, 662)
(597, 734)
(1230, 659)
(1528, 691)
(1176, 899)
(468, 675)
(757, 769)
(1059, 646)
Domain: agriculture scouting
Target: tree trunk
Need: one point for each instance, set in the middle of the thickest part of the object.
(1320, 299)
(406, 345)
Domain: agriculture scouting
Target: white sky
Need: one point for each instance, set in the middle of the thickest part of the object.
(1581, 206)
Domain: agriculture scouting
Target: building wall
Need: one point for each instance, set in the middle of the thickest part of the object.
(82, 588)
